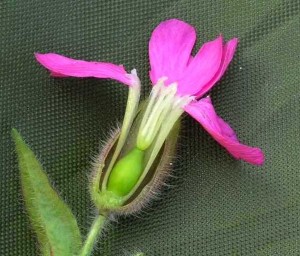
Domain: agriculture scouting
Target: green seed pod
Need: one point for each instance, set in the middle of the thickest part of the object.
(126, 173)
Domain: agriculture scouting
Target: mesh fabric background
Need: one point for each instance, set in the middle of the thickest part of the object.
(216, 205)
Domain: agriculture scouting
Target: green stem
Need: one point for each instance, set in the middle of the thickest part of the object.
(93, 235)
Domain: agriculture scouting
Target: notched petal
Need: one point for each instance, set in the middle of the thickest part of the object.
(202, 67)
(228, 53)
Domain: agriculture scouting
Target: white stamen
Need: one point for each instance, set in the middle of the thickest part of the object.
(163, 101)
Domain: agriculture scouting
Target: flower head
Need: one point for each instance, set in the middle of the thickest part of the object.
(171, 63)
(179, 81)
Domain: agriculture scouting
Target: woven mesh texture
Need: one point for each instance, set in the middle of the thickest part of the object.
(216, 205)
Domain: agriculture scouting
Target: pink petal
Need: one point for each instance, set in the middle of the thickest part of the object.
(202, 68)
(228, 52)
(61, 66)
(170, 48)
(204, 112)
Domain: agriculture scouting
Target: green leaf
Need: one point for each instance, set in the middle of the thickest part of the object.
(52, 220)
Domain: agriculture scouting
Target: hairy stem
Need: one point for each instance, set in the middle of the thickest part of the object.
(93, 235)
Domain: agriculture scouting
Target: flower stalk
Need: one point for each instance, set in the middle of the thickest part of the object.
(93, 234)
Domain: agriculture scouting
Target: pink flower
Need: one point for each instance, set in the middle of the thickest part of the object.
(172, 65)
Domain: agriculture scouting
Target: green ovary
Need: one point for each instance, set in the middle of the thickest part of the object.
(126, 172)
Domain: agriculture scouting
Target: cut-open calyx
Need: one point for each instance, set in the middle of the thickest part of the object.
(135, 161)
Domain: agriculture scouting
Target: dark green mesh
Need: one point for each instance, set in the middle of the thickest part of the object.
(216, 205)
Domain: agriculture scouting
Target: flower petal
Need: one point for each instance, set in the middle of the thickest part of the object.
(228, 52)
(204, 112)
(61, 66)
(170, 49)
(202, 68)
